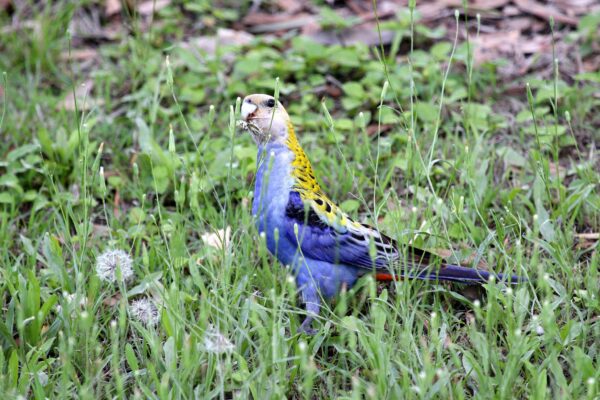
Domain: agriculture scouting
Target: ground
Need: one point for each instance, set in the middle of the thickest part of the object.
(129, 261)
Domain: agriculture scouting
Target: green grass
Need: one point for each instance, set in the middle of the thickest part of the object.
(443, 165)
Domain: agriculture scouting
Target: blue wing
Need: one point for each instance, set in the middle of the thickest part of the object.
(348, 244)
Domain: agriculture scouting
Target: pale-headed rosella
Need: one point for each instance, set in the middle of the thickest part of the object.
(305, 230)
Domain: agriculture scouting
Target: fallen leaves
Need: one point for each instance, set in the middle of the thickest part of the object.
(150, 7)
(224, 37)
(112, 7)
(544, 11)
(145, 8)
(587, 240)
(263, 22)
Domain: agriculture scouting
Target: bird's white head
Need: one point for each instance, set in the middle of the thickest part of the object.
(269, 116)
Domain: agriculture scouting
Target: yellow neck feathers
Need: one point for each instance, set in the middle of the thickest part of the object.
(306, 183)
(301, 168)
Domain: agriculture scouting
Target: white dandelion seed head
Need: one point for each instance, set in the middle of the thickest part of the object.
(433, 315)
(591, 381)
(109, 261)
(422, 375)
(145, 311)
(215, 342)
(509, 291)
(477, 304)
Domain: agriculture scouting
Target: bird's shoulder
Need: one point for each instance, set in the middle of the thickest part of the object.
(316, 209)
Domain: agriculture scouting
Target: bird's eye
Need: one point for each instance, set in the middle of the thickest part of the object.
(271, 103)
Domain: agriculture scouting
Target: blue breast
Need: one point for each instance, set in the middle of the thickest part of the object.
(271, 194)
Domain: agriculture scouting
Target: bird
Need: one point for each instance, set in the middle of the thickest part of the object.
(306, 231)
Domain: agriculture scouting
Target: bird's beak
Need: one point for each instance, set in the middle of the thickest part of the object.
(247, 110)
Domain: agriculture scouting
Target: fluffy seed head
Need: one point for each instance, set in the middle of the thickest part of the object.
(145, 311)
(215, 342)
(108, 262)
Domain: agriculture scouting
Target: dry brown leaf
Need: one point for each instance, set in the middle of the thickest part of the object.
(544, 11)
(555, 169)
(470, 318)
(476, 5)
(112, 7)
(83, 54)
(147, 8)
(588, 236)
(117, 204)
(113, 300)
(446, 254)
(100, 230)
(577, 7)
(290, 6)
(511, 11)
(536, 44)
(224, 37)
(364, 34)
(515, 24)
(447, 342)
(492, 46)
(373, 129)
(434, 10)
(263, 22)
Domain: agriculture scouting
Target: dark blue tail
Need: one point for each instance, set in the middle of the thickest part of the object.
(455, 273)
